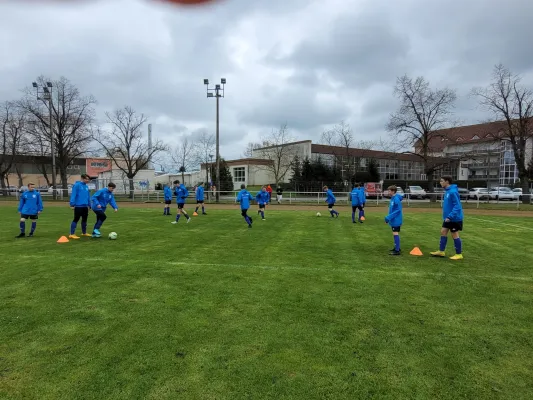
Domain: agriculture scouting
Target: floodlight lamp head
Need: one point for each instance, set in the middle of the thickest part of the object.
(34, 84)
(223, 81)
(209, 94)
(217, 87)
(206, 81)
(49, 84)
(45, 89)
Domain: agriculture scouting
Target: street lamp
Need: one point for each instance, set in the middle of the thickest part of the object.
(217, 92)
(46, 95)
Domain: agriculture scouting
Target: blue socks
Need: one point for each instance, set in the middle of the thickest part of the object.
(443, 241)
(178, 215)
(263, 214)
(84, 227)
(22, 227)
(361, 214)
(73, 227)
(98, 225)
(458, 245)
(397, 242)
(247, 219)
(203, 209)
(353, 217)
(33, 226)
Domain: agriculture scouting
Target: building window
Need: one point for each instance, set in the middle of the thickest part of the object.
(239, 174)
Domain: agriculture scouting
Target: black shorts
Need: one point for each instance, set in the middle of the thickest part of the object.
(26, 216)
(396, 228)
(331, 205)
(453, 226)
(168, 201)
(81, 212)
(244, 212)
(262, 205)
(180, 206)
(199, 202)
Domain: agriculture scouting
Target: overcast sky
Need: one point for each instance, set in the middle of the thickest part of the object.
(310, 63)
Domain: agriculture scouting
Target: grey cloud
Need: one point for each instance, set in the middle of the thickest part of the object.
(358, 50)
(154, 58)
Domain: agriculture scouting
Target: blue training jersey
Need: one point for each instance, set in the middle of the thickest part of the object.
(30, 203)
(244, 197)
(102, 198)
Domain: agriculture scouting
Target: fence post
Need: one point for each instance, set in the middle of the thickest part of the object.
(318, 198)
(290, 197)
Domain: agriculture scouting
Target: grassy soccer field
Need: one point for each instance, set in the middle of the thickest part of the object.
(298, 307)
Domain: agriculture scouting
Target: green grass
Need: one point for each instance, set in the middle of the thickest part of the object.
(298, 307)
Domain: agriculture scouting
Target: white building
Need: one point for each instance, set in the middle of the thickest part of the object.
(250, 171)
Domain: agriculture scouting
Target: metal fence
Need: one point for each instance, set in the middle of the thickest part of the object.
(305, 198)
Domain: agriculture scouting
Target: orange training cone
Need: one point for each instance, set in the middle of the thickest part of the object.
(363, 218)
(416, 252)
(195, 213)
(63, 239)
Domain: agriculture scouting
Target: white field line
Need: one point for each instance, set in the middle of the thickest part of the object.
(501, 223)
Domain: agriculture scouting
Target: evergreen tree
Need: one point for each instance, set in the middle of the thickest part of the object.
(296, 168)
(306, 173)
(226, 180)
(373, 170)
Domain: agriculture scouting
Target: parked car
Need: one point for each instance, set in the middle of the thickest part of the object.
(399, 191)
(463, 193)
(479, 194)
(518, 194)
(502, 193)
(416, 192)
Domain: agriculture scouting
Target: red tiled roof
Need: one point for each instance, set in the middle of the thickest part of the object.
(486, 132)
(384, 155)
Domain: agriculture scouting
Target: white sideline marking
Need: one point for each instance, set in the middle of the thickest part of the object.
(502, 223)
(347, 269)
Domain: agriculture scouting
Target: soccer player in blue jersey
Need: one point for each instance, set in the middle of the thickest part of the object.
(99, 202)
(168, 199)
(200, 199)
(244, 197)
(331, 200)
(30, 206)
(362, 201)
(356, 203)
(181, 193)
(452, 214)
(80, 203)
(395, 218)
(262, 197)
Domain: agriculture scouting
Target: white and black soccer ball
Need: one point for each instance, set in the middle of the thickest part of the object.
(113, 236)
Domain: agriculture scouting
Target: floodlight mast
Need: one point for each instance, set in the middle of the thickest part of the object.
(217, 92)
(47, 96)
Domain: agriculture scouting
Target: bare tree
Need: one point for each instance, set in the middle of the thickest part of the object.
(72, 121)
(125, 145)
(508, 100)
(249, 151)
(279, 152)
(204, 149)
(422, 112)
(12, 124)
(183, 155)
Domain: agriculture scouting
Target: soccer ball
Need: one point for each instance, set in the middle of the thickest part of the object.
(113, 235)
(318, 214)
